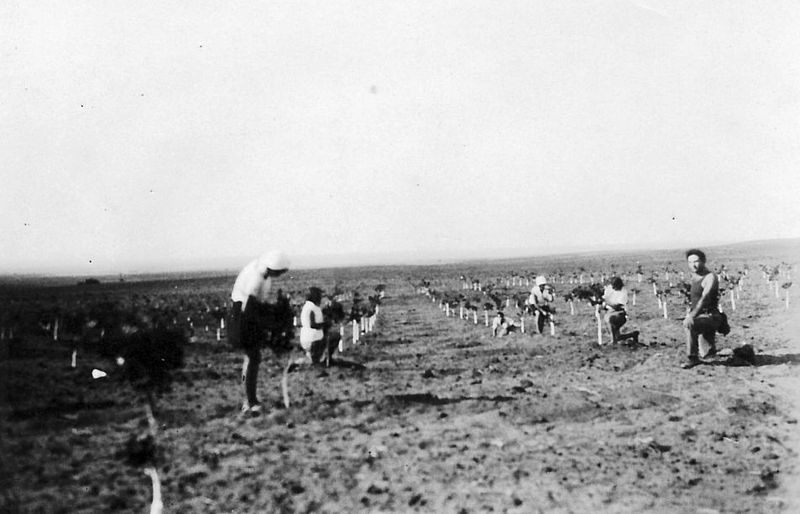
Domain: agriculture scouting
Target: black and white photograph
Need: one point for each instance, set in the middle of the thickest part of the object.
(380, 256)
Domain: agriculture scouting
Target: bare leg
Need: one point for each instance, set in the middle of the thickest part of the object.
(691, 343)
(252, 362)
(707, 344)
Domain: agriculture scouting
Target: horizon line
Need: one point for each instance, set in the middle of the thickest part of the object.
(379, 259)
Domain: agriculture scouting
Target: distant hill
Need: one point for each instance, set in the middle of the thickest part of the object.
(762, 251)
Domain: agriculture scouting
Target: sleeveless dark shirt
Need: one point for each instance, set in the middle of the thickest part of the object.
(697, 291)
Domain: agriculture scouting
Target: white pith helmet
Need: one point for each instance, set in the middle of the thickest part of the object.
(541, 280)
(275, 261)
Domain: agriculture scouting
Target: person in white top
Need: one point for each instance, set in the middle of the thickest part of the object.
(251, 295)
(615, 301)
(312, 325)
(541, 296)
(499, 325)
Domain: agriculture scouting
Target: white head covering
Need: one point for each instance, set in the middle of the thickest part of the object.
(275, 261)
(541, 280)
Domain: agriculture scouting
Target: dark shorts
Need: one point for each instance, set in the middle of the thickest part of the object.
(243, 329)
(617, 318)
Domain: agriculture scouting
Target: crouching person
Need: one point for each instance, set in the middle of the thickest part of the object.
(313, 337)
(542, 295)
(502, 326)
(252, 298)
(615, 301)
(499, 325)
(704, 318)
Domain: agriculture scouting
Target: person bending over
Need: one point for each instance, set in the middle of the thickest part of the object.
(252, 298)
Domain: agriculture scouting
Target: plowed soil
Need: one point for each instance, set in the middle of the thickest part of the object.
(428, 414)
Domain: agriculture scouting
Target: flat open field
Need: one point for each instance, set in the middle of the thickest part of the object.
(428, 413)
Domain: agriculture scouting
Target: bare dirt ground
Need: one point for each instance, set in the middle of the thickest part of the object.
(429, 414)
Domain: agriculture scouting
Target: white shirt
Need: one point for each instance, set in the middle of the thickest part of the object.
(539, 297)
(307, 334)
(613, 297)
(497, 321)
(251, 282)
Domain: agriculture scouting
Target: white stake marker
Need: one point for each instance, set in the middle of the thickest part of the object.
(599, 325)
(157, 506)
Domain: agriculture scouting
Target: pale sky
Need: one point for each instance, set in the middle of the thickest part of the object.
(153, 131)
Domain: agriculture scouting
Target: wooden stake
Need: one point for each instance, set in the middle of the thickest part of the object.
(157, 506)
(552, 328)
(486, 318)
(285, 381)
(665, 309)
(733, 301)
(599, 325)
(572, 308)
(74, 362)
(634, 298)
(522, 325)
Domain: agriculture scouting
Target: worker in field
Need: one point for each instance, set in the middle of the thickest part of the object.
(615, 302)
(704, 318)
(313, 327)
(499, 325)
(252, 298)
(542, 295)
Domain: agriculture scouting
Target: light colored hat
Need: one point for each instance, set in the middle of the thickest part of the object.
(275, 261)
(541, 280)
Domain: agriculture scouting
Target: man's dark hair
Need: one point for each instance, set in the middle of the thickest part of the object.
(694, 251)
(617, 283)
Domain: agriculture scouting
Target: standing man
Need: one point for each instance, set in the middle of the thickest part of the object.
(251, 299)
(704, 318)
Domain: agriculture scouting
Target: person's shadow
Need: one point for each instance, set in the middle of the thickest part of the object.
(745, 359)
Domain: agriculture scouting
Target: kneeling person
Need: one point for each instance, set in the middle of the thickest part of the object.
(313, 337)
(615, 299)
